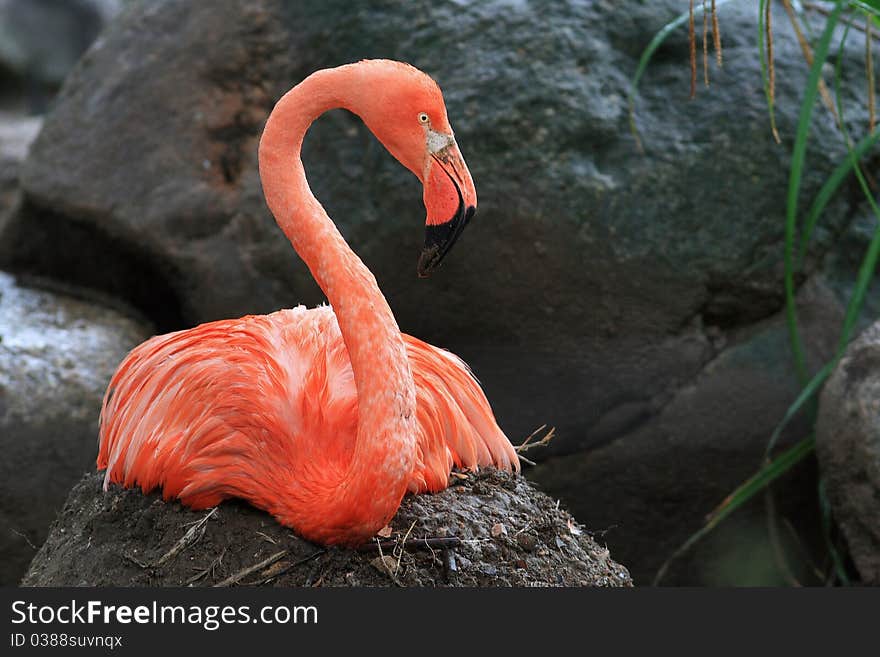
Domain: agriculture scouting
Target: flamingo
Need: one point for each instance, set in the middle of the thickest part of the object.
(323, 417)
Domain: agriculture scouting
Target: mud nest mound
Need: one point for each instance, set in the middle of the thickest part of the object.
(487, 529)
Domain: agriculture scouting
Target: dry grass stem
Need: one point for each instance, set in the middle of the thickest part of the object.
(827, 100)
(400, 549)
(692, 40)
(771, 68)
(869, 68)
(384, 561)
(843, 21)
(705, 44)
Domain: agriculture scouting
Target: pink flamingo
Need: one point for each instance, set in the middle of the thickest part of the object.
(326, 417)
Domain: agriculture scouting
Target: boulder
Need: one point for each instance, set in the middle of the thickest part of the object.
(696, 445)
(848, 448)
(17, 132)
(599, 289)
(488, 529)
(57, 353)
(41, 40)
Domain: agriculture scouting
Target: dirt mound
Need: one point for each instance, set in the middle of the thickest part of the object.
(487, 529)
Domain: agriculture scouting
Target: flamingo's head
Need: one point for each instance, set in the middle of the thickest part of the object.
(404, 108)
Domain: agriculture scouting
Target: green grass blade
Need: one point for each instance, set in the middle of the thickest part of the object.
(772, 470)
(856, 301)
(852, 162)
(870, 6)
(794, 184)
(855, 153)
(869, 262)
(805, 395)
(863, 281)
(776, 467)
(836, 559)
(830, 188)
(769, 473)
(648, 52)
(853, 310)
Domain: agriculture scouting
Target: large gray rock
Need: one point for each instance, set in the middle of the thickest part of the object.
(56, 356)
(690, 448)
(598, 288)
(17, 132)
(42, 39)
(848, 447)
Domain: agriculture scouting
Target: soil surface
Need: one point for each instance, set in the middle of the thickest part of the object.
(487, 529)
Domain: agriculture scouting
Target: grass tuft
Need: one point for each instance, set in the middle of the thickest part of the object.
(775, 466)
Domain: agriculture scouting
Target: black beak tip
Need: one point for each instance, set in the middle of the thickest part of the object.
(439, 238)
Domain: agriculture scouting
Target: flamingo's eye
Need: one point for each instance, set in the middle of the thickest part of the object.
(423, 118)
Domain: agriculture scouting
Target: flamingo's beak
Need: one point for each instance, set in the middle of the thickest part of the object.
(451, 201)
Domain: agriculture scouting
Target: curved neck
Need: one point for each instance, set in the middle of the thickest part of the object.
(385, 450)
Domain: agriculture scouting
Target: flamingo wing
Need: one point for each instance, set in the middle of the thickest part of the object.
(233, 408)
(455, 422)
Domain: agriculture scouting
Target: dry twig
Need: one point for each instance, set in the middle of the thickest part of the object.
(192, 536)
(436, 542)
(291, 566)
(26, 539)
(210, 569)
(241, 574)
(527, 444)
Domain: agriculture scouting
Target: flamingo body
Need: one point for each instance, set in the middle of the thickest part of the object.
(325, 418)
(249, 408)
